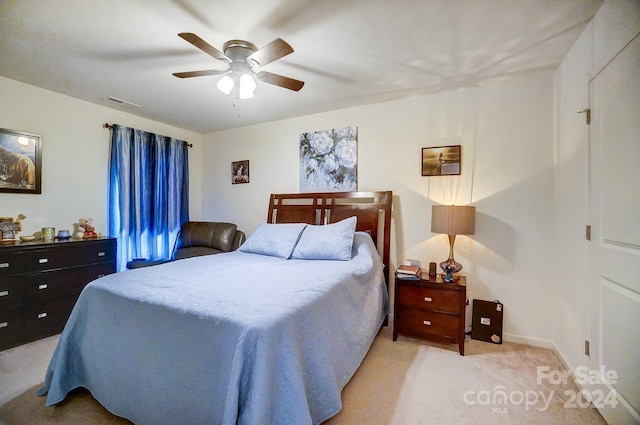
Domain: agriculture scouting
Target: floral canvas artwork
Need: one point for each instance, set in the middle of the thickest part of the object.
(328, 160)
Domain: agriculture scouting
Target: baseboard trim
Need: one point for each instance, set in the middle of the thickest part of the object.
(535, 342)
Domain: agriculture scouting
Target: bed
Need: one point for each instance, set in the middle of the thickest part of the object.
(268, 334)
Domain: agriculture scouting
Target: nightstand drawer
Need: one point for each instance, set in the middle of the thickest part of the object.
(429, 299)
(428, 324)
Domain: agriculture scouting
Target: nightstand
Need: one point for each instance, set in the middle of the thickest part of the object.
(432, 309)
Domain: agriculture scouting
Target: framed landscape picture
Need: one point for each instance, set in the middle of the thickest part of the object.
(441, 160)
(20, 162)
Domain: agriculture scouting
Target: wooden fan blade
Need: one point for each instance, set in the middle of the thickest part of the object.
(206, 72)
(204, 46)
(275, 50)
(279, 80)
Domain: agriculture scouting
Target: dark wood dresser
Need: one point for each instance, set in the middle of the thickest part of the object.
(432, 309)
(40, 282)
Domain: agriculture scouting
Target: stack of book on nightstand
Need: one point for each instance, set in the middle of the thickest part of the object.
(408, 272)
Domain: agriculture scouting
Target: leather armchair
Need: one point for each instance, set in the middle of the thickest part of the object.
(198, 238)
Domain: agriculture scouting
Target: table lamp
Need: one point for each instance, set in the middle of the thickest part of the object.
(452, 220)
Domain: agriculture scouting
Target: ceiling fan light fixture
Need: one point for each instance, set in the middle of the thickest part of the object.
(246, 86)
(242, 58)
(225, 84)
(245, 94)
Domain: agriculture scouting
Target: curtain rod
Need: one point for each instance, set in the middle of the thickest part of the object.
(110, 126)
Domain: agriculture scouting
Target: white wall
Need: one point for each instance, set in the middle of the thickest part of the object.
(75, 156)
(505, 130)
(613, 26)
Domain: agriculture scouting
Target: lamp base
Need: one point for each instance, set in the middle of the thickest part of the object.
(450, 267)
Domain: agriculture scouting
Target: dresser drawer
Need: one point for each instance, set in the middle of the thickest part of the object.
(11, 263)
(96, 252)
(47, 318)
(428, 324)
(54, 284)
(429, 299)
(10, 327)
(10, 291)
(73, 254)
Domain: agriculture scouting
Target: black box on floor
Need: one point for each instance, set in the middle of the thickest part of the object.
(486, 324)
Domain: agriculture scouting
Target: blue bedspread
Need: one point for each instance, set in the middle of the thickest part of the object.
(223, 339)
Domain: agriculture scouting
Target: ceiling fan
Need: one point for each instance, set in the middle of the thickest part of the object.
(244, 62)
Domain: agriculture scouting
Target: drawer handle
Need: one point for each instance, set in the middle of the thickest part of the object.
(42, 315)
(428, 299)
(4, 293)
(4, 324)
(43, 260)
(426, 322)
(43, 286)
(101, 254)
(4, 265)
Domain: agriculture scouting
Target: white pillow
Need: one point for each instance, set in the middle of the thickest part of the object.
(329, 242)
(276, 240)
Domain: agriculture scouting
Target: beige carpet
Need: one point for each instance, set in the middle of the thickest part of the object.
(407, 382)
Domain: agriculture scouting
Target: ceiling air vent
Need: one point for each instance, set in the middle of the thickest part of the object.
(122, 102)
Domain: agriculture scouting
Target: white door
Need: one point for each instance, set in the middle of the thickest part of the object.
(614, 253)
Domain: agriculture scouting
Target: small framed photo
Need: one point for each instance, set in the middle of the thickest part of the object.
(240, 172)
(441, 160)
(20, 162)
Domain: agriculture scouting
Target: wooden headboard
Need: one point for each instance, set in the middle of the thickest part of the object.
(373, 210)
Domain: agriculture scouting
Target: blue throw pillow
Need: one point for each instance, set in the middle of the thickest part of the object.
(276, 240)
(329, 242)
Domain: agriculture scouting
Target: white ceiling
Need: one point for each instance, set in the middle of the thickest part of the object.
(348, 52)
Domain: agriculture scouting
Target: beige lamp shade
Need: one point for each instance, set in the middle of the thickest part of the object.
(453, 219)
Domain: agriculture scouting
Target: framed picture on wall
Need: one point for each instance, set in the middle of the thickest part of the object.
(329, 160)
(20, 162)
(240, 172)
(441, 160)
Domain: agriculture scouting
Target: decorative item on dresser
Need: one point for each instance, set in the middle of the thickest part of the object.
(9, 228)
(431, 308)
(41, 280)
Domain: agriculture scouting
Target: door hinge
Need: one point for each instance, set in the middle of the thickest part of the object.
(587, 232)
(586, 347)
(587, 113)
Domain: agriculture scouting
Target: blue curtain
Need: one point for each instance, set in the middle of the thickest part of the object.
(148, 193)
